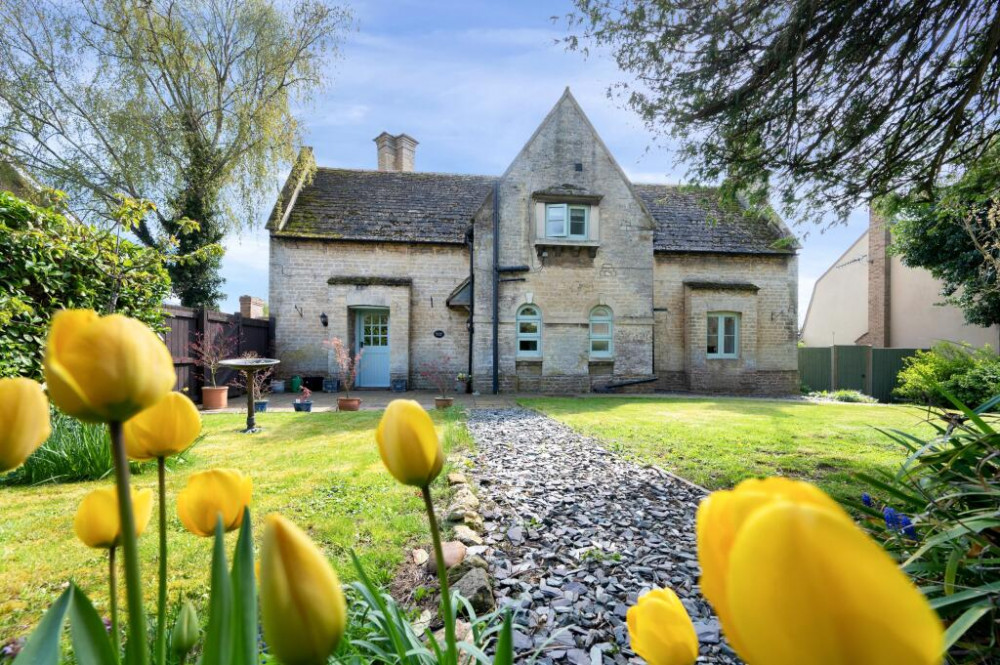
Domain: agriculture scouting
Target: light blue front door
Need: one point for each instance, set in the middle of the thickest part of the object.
(372, 335)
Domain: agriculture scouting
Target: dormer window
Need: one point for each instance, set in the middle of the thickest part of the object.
(563, 220)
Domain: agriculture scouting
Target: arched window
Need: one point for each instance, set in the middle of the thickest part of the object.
(529, 331)
(601, 332)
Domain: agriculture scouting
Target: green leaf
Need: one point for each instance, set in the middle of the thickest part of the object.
(244, 598)
(43, 645)
(964, 623)
(505, 643)
(91, 644)
(965, 596)
(951, 570)
(971, 415)
(218, 636)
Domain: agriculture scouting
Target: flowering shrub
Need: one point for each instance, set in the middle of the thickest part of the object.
(347, 363)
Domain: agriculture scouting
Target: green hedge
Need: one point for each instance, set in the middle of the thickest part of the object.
(969, 374)
(49, 263)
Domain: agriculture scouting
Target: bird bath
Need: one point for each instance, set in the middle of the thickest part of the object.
(250, 366)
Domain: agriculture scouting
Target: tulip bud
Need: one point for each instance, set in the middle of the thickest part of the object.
(302, 605)
(186, 631)
(794, 580)
(97, 521)
(105, 369)
(212, 494)
(722, 514)
(408, 443)
(166, 428)
(24, 421)
(660, 629)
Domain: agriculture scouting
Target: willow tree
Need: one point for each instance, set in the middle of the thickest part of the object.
(187, 103)
(817, 104)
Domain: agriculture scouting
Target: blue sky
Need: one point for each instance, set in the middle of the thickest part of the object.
(471, 81)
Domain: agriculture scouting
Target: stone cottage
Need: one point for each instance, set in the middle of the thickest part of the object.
(560, 275)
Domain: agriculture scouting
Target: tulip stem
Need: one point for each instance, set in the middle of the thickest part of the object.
(449, 618)
(138, 653)
(116, 638)
(161, 612)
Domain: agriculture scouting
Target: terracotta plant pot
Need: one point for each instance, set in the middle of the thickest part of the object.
(213, 398)
(348, 403)
(443, 402)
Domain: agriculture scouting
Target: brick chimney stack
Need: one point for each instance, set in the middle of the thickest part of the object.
(251, 308)
(396, 153)
(879, 263)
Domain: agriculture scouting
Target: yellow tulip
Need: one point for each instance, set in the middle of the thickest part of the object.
(806, 585)
(719, 519)
(211, 494)
(166, 428)
(408, 443)
(301, 603)
(97, 523)
(24, 421)
(104, 369)
(661, 630)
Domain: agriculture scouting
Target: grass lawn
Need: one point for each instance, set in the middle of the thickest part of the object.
(321, 470)
(716, 442)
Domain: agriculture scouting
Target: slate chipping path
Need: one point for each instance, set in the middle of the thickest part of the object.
(574, 533)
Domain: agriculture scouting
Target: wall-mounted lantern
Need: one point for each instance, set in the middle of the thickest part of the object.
(324, 319)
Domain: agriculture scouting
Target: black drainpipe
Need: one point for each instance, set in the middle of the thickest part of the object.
(469, 237)
(496, 287)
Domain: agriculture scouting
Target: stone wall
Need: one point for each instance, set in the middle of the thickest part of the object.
(413, 281)
(767, 362)
(613, 267)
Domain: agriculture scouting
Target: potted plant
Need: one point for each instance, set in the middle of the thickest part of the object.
(441, 377)
(262, 384)
(462, 382)
(261, 387)
(303, 401)
(348, 364)
(208, 352)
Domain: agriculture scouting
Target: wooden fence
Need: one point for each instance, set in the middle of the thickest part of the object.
(872, 371)
(187, 324)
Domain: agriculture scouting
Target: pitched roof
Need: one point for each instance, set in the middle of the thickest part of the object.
(413, 207)
(436, 208)
(690, 219)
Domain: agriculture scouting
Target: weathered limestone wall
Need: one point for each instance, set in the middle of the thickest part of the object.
(767, 362)
(614, 267)
(300, 292)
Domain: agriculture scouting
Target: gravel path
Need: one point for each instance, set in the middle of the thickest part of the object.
(574, 533)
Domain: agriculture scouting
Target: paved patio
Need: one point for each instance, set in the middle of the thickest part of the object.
(370, 400)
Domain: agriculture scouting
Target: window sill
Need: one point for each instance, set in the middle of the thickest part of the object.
(708, 357)
(558, 246)
(602, 361)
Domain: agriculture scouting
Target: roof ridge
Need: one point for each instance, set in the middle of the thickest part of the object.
(404, 173)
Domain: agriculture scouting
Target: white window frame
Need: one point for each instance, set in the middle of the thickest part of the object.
(720, 338)
(567, 211)
(536, 336)
(602, 314)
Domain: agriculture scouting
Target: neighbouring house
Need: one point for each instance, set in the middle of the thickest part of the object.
(560, 275)
(868, 297)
